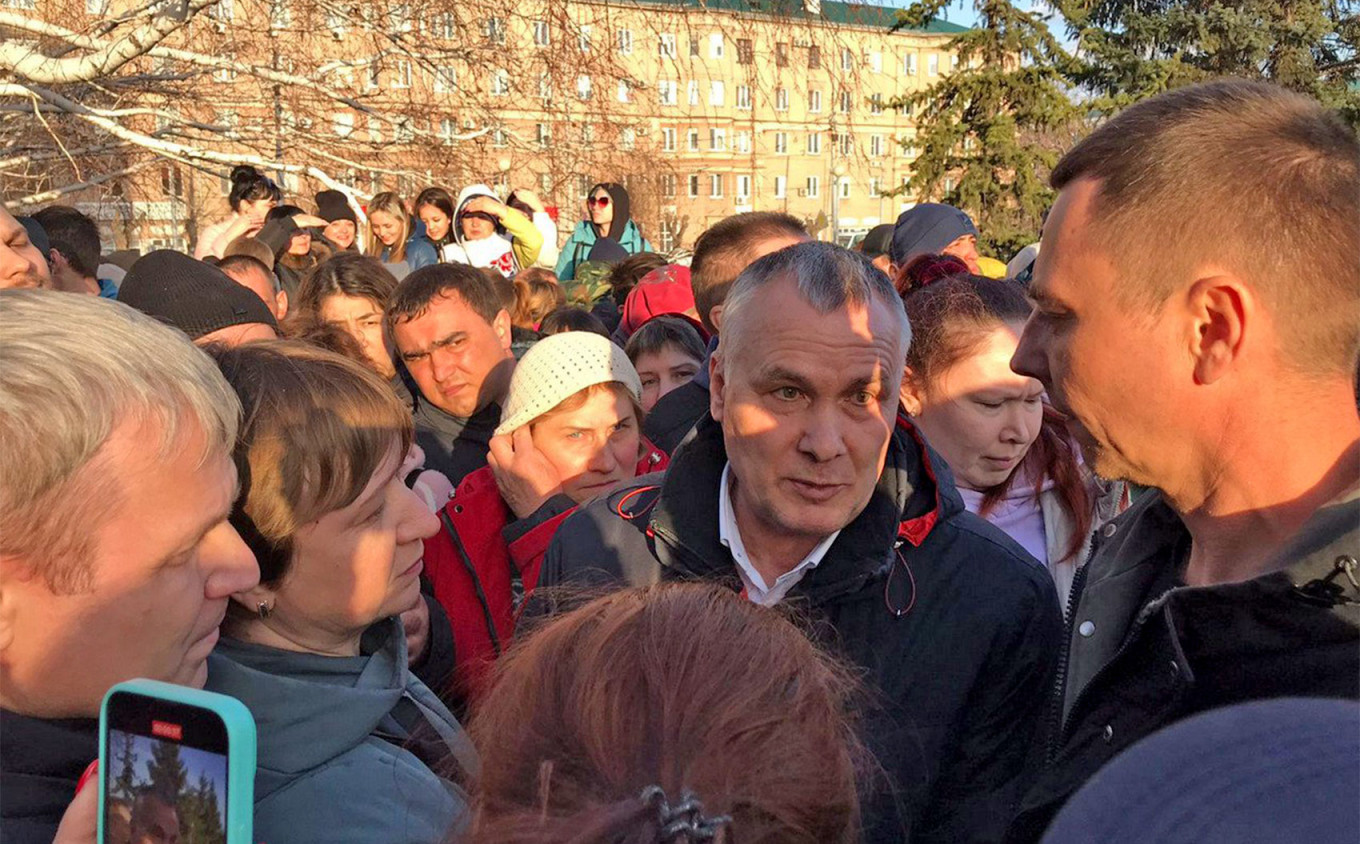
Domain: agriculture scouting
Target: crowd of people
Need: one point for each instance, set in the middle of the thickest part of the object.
(782, 542)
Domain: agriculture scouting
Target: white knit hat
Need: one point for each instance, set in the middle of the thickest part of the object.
(557, 368)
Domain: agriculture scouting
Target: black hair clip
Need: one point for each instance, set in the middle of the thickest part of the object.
(685, 818)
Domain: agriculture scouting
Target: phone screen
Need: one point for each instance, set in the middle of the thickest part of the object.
(166, 778)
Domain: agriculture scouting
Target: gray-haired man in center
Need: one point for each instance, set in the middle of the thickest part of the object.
(806, 486)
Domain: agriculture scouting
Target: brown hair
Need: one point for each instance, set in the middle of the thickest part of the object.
(950, 318)
(572, 318)
(625, 275)
(724, 250)
(661, 331)
(535, 300)
(347, 274)
(647, 687)
(317, 426)
(1247, 176)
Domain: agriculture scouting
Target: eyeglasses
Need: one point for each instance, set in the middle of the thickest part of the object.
(601, 201)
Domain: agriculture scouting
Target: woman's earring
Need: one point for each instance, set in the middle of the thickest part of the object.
(264, 610)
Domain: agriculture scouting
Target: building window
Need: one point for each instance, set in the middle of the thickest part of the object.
(667, 235)
(692, 140)
(545, 88)
(668, 140)
(781, 187)
(172, 182)
(403, 77)
(500, 139)
(544, 134)
(933, 65)
(844, 186)
(587, 134)
(743, 189)
(814, 57)
(846, 141)
(876, 145)
(694, 185)
(715, 186)
(954, 62)
(948, 184)
(583, 87)
(717, 92)
(876, 61)
(627, 138)
(445, 79)
(343, 125)
(743, 141)
(814, 101)
(626, 42)
(668, 185)
(223, 11)
(448, 127)
(716, 46)
(583, 39)
(814, 186)
(545, 183)
(583, 184)
(500, 83)
(845, 102)
(495, 30)
(744, 97)
(666, 45)
(542, 34)
(694, 49)
(781, 143)
(625, 91)
(910, 64)
(875, 188)
(693, 92)
(781, 54)
(280, 15)
(847, 59)
(717, 140)
(667, 90)
(781, 99)
(746, 53)
(814, 143)
(445, 26)
(875, 103)
(400, 18)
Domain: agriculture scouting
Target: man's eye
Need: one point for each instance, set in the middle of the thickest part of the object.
(787, 393)
(863, 397)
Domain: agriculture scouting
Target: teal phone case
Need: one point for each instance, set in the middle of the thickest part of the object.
(240, 726)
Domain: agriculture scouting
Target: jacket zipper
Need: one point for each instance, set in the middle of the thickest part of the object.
(1056, 721)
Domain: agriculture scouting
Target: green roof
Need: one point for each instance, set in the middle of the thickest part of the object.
(852, 14)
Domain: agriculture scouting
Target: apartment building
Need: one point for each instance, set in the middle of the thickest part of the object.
(703, 109)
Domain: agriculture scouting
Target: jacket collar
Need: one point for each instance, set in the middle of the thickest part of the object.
(909, 500)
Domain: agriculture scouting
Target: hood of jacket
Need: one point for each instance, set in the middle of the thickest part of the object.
(623, 207)
(308, 708)
(914, 493)
(465, 196)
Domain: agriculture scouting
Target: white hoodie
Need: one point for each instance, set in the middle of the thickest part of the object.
(494, 251)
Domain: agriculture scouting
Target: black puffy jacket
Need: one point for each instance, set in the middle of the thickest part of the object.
(956, 626)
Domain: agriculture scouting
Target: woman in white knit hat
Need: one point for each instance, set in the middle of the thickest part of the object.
(571, 429)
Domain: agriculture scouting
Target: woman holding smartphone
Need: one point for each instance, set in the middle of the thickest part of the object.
(349, 740)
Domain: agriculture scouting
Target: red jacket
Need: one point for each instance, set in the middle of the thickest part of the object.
(484, 562)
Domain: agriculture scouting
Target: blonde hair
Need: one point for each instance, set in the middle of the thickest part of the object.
(72, 370)
(389, 203)
(317, 426)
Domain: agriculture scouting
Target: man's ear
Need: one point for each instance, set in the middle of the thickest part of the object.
(913, 397)
(1222, 309)
(715, 315)
(716, 382)
(281, 302)
(9, 602)
(501, 325)
(57, 261)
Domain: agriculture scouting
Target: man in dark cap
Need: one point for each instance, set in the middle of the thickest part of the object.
(198, 299)
(876, 244)
(932, 228)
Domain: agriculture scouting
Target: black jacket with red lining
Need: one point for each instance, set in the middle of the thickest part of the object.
(956, 628)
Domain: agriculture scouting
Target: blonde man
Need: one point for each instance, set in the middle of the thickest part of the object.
(116, 556)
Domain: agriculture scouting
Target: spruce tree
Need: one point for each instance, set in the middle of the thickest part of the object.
(1132, 49)
(125, 757)
(995, 124)
(166, 770)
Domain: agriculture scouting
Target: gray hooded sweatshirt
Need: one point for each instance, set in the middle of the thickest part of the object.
(332, 731)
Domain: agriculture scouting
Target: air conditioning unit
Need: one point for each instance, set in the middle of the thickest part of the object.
(802, 191)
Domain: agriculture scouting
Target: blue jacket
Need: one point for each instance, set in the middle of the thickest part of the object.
(420, 252)
(578, 246)
(333, 732)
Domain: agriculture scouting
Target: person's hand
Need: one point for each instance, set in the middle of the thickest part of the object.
(486, 205)
(80, 822)
(524, 476)
(529, 198)
(416, 623)
(245, 224)
(307, 221)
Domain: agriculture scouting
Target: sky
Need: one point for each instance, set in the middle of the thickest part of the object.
(196, 761)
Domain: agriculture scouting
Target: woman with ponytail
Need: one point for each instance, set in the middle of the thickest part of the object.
(251, 197)
(1013, 460)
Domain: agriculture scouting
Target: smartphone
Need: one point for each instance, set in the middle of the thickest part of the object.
(176, 766)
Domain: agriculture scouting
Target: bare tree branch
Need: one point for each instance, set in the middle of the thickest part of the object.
(57, 193)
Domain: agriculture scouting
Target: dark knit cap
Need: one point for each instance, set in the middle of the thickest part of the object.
(878, 241)
(331, 206)
(927, 229)
(608, 250)
(37, 235)
(190, 295)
